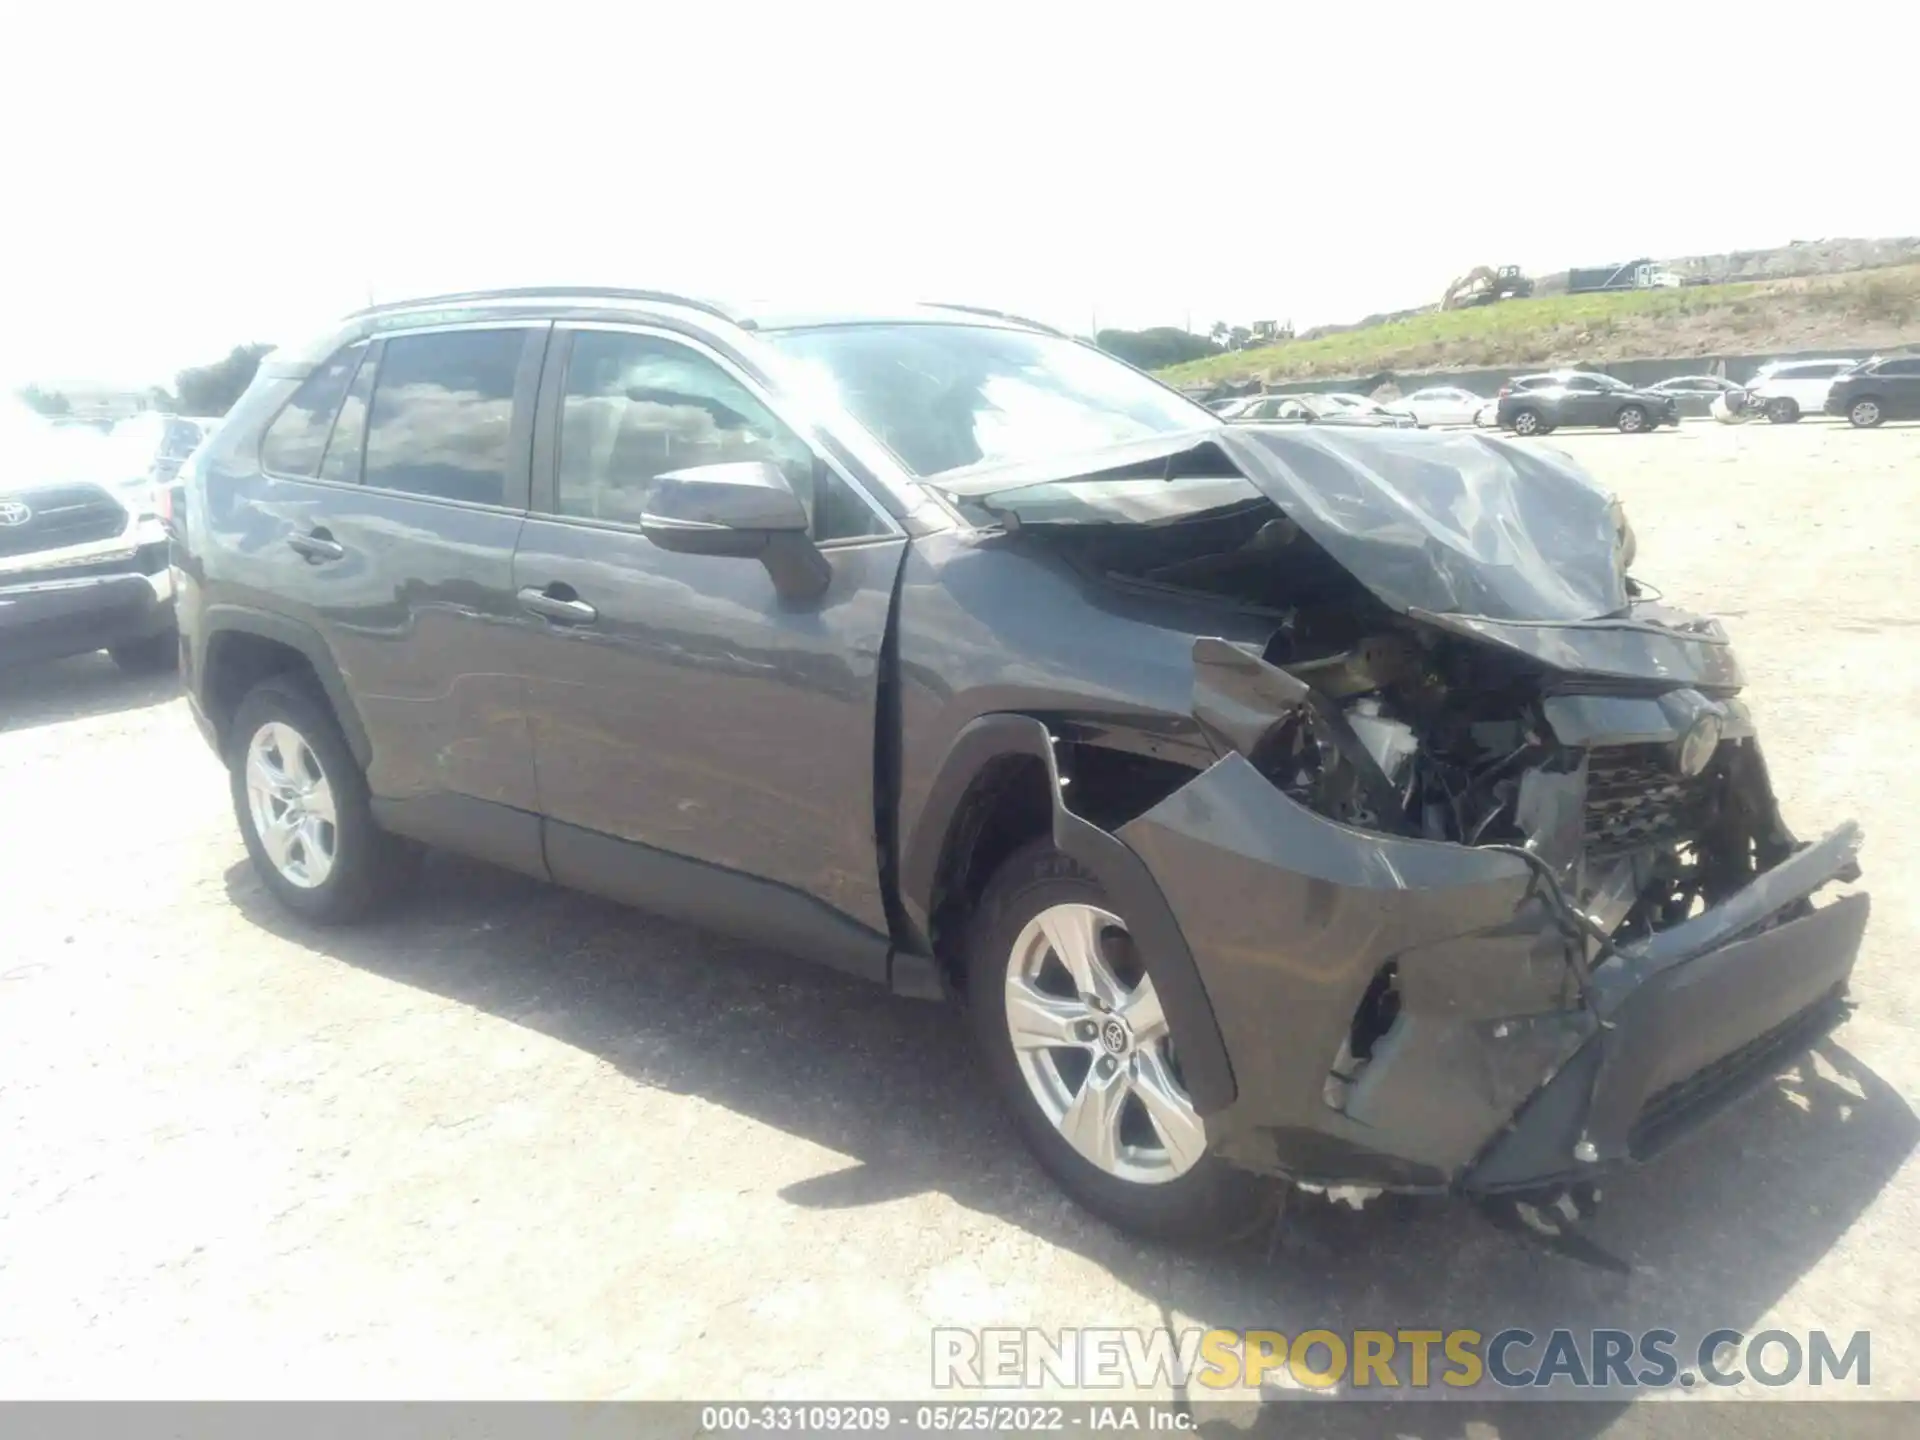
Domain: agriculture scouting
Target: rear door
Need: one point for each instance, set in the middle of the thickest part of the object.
(390, 530)
(1898, 382)
(705, 746)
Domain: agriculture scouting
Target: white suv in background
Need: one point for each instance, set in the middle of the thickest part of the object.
(1787, 389)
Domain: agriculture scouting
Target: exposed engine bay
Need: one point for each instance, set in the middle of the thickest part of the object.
(1408, 728)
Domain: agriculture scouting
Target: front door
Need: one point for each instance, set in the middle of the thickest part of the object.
(704, 745)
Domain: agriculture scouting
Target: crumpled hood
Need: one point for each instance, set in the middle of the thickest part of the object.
(1451, 524)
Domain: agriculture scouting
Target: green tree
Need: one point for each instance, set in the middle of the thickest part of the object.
(1152, 349)
(212, 389)
(47, 402)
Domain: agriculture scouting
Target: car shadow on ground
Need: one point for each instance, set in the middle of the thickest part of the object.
(60, 691)
(1714, 1233)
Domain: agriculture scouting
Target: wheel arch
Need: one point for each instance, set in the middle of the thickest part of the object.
(240, 647)
(1005, 765)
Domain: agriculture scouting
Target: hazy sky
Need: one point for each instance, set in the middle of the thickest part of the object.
(193, 175)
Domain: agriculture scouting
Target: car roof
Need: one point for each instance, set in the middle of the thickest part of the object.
(763, 315)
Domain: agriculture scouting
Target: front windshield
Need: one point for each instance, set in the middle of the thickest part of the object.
(944, 397)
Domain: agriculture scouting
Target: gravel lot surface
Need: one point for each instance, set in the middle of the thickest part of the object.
(515, 1142)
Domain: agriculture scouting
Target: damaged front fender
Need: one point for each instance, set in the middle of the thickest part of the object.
(1294, 919)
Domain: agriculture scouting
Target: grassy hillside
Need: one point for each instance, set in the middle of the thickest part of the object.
(1865, 308)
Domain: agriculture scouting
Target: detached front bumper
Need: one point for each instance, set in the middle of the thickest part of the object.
(1493, 1071)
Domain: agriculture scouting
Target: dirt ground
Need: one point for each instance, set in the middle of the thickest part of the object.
(515, 1142)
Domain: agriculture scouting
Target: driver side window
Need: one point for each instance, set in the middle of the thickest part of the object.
(637, 406)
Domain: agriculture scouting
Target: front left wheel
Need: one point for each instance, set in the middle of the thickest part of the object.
(302, 803)
(1865, 414)
(1631, 420)
(1069, 1027)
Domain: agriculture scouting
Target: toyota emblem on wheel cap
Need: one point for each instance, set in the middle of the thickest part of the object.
(14, 512)
(1113, 1035)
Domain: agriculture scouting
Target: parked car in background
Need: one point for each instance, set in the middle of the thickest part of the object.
(1184, 755)
(154, 445)
(1313, 410)
(1442, 405)
(1876, 391)
(1694, 394)
(1536, 404)
(1366, 404)
(83, 555)
(1788, 389)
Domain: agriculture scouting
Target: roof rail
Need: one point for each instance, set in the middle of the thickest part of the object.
(553, 292)
(998, 315)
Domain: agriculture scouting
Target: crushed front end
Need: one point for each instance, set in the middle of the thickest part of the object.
(1469, 922)
(1486, 885)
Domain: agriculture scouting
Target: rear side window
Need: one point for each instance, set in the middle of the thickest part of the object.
(441, 413)
(1898, 367)
(342, 460)
(297, 438)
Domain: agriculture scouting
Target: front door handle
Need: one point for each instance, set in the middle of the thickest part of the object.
(318, 544)
(559, 604)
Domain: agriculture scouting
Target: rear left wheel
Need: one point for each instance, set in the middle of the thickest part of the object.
(1782, 411)
(1070, 1029)
(303, 808)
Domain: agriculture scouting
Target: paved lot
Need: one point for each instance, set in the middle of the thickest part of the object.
(515, 1142)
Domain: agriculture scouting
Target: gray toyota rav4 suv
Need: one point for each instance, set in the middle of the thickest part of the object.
(1315, 804)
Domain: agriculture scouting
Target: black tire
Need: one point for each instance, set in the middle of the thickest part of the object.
(370, 866)
(1529, 422)
(1783, 410)
(1212, 1201)
(1866, 412)
(155, 655)
(1632, 420)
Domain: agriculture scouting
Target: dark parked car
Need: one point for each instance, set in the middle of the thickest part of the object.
(1536, 404)
(1878, 390)
(1268, 795)
(1315, 410)
(83, 557)
(1694, 394)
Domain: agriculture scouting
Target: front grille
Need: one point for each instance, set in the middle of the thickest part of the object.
(58, 517)
(1635, 800)
(1670, 1111)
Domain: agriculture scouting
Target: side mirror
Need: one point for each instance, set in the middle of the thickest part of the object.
(727, 509)
(742, 508)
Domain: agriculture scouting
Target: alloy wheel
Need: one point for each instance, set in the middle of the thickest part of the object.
(1525, 423)
(1093, 1046)
(291, 802)
(1866, 414)
(1631, 420)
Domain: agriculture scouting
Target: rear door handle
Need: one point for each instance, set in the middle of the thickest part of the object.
(559, 604)
(318, 545)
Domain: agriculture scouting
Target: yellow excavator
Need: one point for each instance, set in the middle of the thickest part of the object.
(1483, 285)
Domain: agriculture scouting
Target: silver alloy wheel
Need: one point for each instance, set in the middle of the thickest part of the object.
(1631, 419)
(1095, 1051)
(291, 803)
(1525, 423)
(1866, 414)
